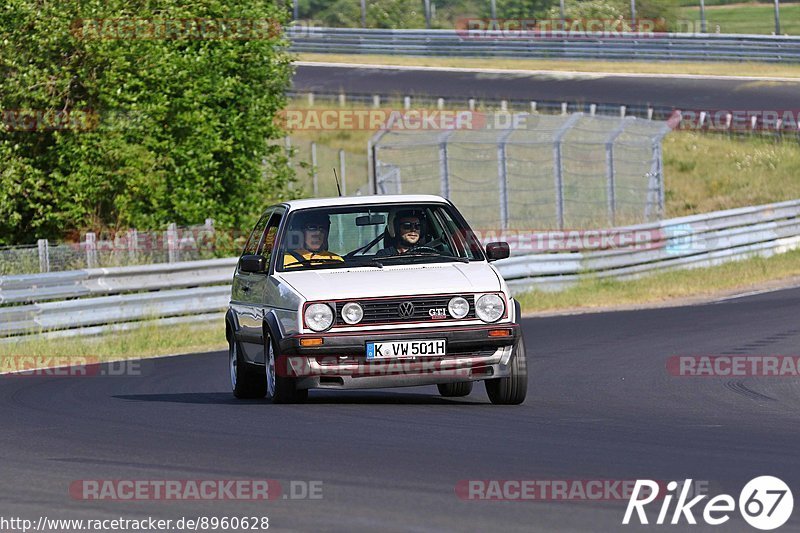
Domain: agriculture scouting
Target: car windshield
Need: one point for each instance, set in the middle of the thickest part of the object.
(375, 236)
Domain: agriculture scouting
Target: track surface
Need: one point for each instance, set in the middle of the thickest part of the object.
(601, 406)
(681, 93)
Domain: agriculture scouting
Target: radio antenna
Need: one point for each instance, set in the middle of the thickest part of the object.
(336, 177)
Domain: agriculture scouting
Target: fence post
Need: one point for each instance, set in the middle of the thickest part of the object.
(611, 173)
(133, 245)
(342, 100)
(314, 178)
(311, 99)
(91, 250)
(343, 172)
(376, 100)
(502, 175)
(172, 242)
(370, 177)
(703, 24)
(558, 166)
(44, 255)
(444, 170)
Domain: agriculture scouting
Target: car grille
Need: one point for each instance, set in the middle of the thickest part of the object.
(387, 310)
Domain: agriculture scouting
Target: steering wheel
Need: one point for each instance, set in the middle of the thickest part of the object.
(424, 249)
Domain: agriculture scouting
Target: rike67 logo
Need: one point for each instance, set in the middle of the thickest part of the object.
(765, 503)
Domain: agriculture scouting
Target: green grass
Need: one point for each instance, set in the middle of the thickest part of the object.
(148, 341)
(747, 18)
(667, 286)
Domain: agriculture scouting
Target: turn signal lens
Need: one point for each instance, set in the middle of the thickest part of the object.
(315, 341)
(499, 332)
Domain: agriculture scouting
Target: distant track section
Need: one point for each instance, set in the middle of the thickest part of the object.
(697, 93)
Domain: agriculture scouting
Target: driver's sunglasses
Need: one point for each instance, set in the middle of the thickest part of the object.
(407, 226)
(315, 227)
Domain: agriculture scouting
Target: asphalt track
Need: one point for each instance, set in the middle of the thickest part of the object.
(685, 93)
(601, 406)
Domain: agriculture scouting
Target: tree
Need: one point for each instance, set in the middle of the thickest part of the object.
(107, 127)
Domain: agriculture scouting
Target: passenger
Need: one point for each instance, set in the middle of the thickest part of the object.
(315, 228)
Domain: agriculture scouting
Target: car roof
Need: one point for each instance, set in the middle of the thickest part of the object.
(361, 200)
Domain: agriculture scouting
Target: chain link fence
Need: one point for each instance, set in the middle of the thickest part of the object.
(525, 170)
(127, 248)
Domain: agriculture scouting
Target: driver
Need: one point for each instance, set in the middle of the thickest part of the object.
(315, 228)
(407, 229)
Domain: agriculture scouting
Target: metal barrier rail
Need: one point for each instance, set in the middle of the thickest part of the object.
(625, 46)
(199, 291)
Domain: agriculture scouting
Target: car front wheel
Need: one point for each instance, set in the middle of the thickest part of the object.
(513, 389)
(281, 389)
(247, 380)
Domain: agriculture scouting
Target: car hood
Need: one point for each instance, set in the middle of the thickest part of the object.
(394, 280)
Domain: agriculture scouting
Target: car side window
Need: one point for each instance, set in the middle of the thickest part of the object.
(267, 243)
(255, 237)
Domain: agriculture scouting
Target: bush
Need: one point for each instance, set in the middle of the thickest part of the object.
(160, 130)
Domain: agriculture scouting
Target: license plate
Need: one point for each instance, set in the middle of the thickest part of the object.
(399, 349)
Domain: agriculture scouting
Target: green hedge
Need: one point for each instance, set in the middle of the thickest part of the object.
(107, 131)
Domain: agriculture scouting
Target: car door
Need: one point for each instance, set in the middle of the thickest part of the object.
(249, 293)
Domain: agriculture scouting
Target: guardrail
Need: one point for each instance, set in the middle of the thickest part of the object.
(625, 46)
(198, 291)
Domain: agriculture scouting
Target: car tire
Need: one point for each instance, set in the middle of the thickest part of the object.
(248, 381)
(280, 389)
(513, 389)
(455, 390)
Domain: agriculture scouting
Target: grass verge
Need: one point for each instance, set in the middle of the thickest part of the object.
(747, 18)
(619, 67)
(676, 286)
(148, 341)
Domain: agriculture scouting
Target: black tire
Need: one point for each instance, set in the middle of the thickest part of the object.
(513, 389)
(455, 390)
(280, 389)
(248, 381)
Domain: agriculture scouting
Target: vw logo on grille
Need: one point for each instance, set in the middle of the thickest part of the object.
(406, 310)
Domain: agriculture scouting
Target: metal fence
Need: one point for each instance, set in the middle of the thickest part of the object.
(448, 43)
(526, 170)
(100, 300)
(131, 247)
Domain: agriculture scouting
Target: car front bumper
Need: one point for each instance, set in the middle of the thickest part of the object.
(340, 362)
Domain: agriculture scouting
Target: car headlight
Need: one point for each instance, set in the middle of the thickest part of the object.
(458, 307)
(490, 307)
(352, 313)
(318, 317)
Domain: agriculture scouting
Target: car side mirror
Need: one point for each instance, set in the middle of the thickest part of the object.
(497, 250)
(254, 264)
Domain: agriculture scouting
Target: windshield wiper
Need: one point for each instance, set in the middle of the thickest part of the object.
(364, 262)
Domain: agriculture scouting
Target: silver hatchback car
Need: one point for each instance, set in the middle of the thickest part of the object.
(372, 292)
